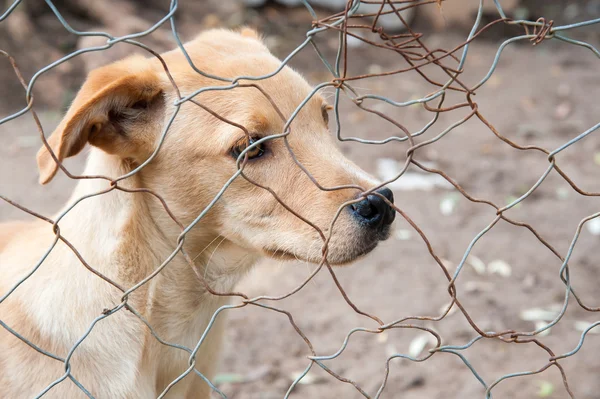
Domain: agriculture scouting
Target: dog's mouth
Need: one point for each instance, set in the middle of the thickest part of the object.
(337, 255)
(280, 254)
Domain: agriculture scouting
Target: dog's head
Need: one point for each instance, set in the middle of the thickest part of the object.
(125, 107)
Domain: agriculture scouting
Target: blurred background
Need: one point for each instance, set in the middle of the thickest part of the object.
(540, 95)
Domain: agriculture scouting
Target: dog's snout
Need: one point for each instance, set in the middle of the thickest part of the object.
(374, 210)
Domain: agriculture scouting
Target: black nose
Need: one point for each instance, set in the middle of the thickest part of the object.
(374, 211)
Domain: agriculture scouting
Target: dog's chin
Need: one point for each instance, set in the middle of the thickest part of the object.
(336, 256)
(349, 257)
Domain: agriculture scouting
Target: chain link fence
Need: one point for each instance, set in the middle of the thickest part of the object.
(416, 55)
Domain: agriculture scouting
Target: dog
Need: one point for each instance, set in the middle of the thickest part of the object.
(125, 234)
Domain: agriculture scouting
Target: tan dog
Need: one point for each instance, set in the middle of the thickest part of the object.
(121, 110)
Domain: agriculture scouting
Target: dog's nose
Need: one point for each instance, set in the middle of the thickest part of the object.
(374, 211)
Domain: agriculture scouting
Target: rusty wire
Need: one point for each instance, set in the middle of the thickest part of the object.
(415, 53)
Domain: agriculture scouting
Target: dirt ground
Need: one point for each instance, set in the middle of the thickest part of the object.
(543, 95)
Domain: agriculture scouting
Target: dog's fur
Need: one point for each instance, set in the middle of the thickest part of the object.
(121, 110)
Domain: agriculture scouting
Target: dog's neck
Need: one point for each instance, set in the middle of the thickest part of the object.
(129, 237)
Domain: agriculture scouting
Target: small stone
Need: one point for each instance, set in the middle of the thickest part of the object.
(416, 382)
(478, 286)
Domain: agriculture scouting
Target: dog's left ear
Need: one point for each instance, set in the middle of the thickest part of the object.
(102, 113)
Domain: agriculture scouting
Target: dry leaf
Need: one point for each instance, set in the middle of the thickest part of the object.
(448, 204)
(230, 378)
(308, 379)
(391, 350)
(546, 389)
(593, 226)
(562, 193)
(418, 344)
(541, 324)
(538, 314)
(476, 263)
(499, 267)
(403, 235)
(450, 312)
(382, 337)
(584, 325)
(374, 69)
(494, 81)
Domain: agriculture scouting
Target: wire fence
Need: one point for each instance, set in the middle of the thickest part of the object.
(416, 54)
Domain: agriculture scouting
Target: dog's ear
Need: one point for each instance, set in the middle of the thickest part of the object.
(109, 101)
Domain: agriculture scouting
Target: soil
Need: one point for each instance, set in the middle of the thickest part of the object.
(543, 95)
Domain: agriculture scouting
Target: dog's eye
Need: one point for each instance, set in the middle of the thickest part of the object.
(325, 111)
(255, 152)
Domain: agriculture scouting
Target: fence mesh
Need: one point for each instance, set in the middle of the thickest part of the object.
(415, 55)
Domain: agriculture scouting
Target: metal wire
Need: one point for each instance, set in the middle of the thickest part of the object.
(417, 55)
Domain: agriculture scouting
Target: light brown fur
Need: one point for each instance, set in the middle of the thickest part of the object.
(122, 110)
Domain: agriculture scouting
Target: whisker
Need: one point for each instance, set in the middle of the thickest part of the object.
(209, 244)
(211, 256)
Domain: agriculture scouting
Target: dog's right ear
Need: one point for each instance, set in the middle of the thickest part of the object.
(111, 97)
